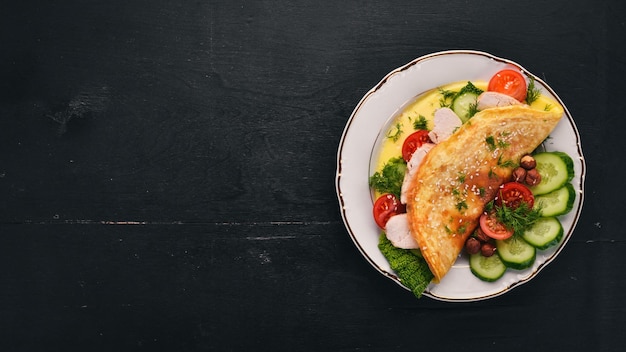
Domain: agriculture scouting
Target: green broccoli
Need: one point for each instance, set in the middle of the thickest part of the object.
(411, 267)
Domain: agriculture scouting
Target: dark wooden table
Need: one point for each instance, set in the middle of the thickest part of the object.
(167, 175)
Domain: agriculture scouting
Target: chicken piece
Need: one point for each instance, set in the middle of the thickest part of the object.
(445, 122)
(412, 166)
(397, 231)
(418, 155)
(494, 99)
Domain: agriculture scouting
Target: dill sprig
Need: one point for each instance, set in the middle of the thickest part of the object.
(446, 97)
(395, 132)
(390, 178)
(533, 93)
(518, 219)
(420, 123)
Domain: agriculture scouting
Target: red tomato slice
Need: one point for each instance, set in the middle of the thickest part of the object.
(385, 207)
(509, 82)
(494, 228)
(412, 142)
(512, 194)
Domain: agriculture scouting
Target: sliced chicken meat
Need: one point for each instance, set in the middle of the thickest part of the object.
(494, 99)
(411, 168)
(445, 123)
(397, 231)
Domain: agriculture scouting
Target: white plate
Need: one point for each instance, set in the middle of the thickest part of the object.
(372, 115)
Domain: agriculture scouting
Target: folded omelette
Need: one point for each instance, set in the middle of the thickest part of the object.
(460, 175)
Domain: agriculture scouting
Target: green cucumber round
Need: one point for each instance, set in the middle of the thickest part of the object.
(556, 169)
(516, 253)
(486, 268)
(557, 202)
(462, 105)
(545, 233)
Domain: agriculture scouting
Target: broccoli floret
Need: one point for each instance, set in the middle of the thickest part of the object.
(389, 179)
(411, 268)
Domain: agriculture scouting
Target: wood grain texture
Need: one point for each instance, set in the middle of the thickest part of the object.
(167, 175)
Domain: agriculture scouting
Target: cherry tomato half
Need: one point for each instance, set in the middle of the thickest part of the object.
(412, 142)
(509, 82)
(512, 194)
(493, 228)
(385, 207)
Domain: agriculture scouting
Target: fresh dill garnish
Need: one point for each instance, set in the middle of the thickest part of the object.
(470, 88)
(503, 144)
(505, 163)
(446, 97)
(395, 132)
(472, 109)
(491, 142)
(548, 107)
(421, 123)
(533, 93)
(517, 219)
(390, 178)
(461, 205)
(461, 177)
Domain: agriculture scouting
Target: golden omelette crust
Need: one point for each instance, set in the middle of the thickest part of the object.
(459, 176)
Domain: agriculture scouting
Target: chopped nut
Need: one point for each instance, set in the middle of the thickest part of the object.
(487, 249)
(532, 177)
(528, 162)
(472, 245)
(519, 174)
(480, 235)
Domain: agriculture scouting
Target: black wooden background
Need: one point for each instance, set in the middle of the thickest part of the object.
(167, 175)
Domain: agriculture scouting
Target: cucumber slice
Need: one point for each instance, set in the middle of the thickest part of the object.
(557, 202)
(545, 233)
(516, 253)
(556, 169)
(486, 268)
(464, 104)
